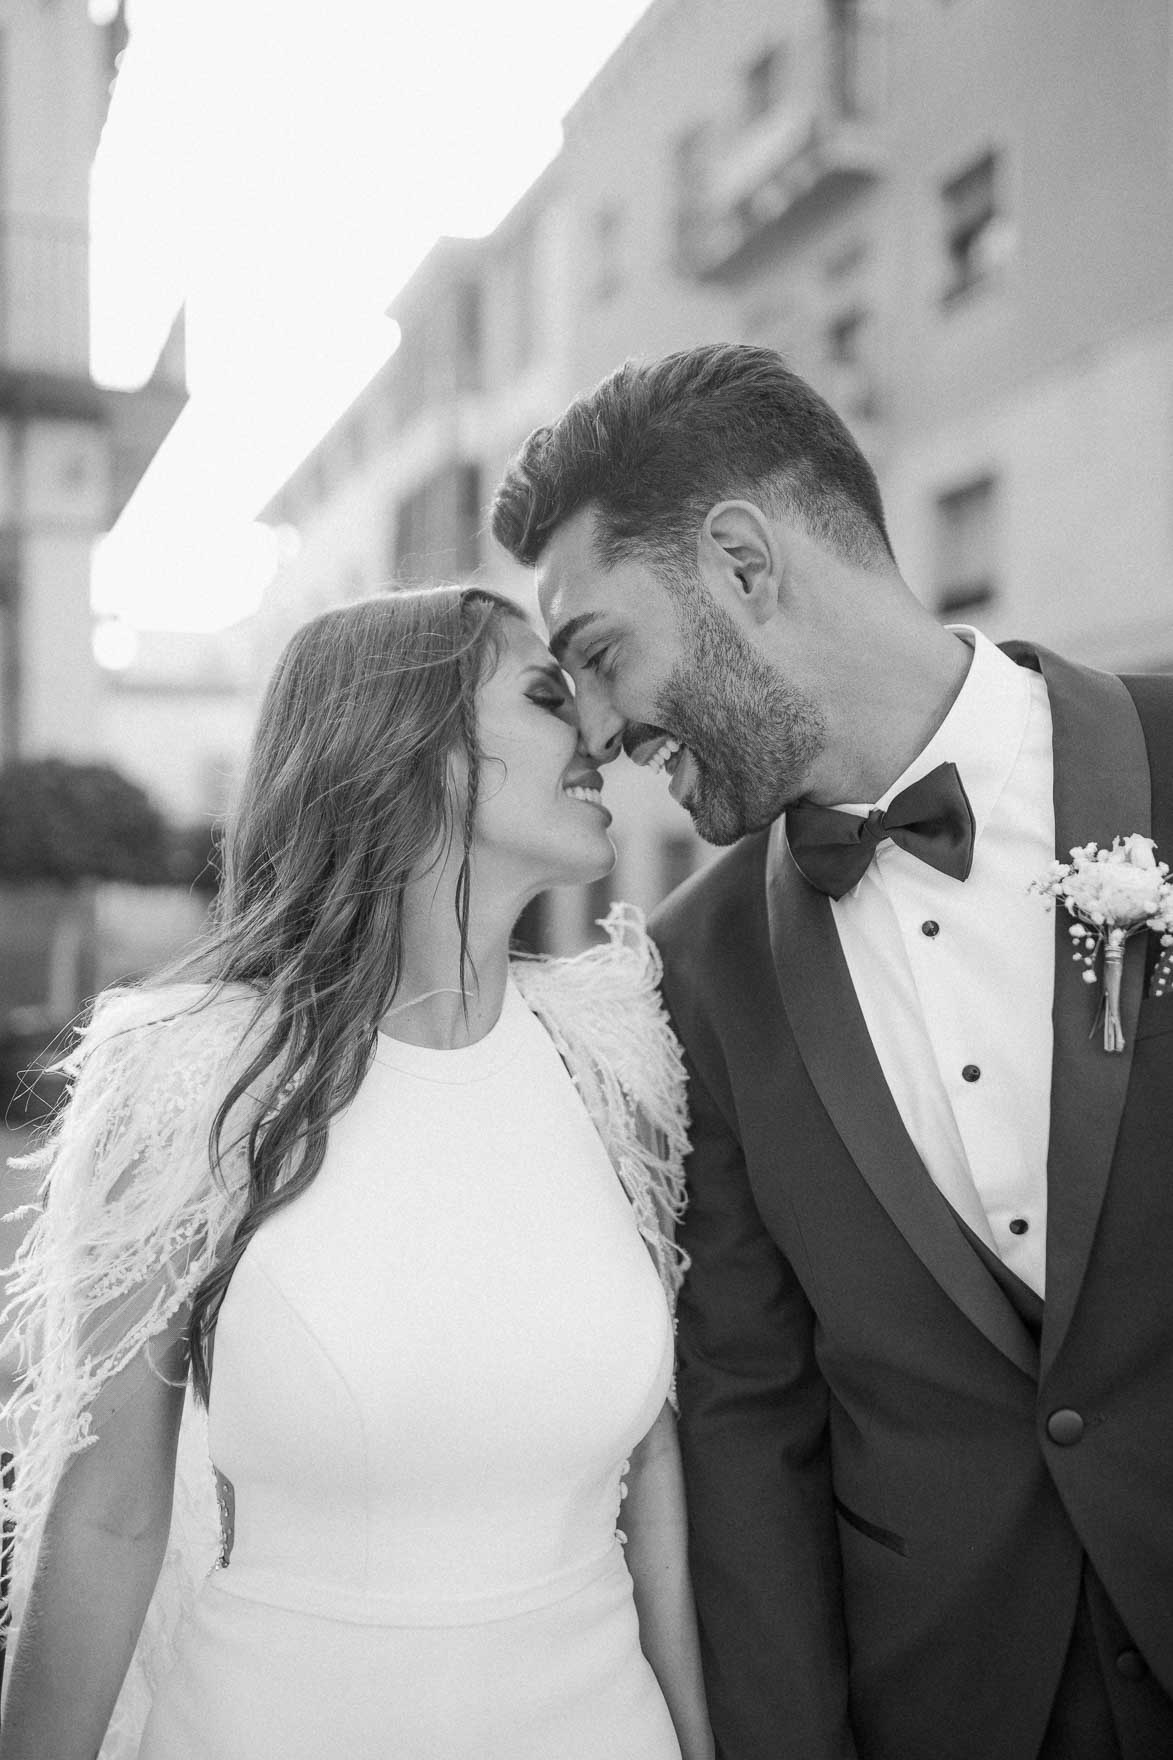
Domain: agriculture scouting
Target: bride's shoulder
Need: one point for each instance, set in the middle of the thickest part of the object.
(605, 1004)
(166, 1042)
(604, 1012)
(189, 1013)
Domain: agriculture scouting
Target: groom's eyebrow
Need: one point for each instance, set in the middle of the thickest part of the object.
(565, 634)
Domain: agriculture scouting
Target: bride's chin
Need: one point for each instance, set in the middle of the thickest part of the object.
(598, 869)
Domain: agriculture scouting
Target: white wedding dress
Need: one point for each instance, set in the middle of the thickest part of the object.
(428, 1372)
(429, 1369)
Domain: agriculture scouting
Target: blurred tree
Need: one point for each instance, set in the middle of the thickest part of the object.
(69, 822)
(64, 827)
(195, 856)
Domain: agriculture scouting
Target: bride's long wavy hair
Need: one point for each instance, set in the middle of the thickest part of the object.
(347, 794)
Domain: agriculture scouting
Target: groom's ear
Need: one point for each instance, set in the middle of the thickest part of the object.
(742, 559)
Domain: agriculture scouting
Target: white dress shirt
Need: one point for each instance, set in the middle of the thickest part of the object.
(956, 980)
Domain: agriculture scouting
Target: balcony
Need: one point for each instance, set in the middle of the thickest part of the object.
(822, 139)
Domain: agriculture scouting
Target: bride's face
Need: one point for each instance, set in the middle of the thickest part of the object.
(540, 820)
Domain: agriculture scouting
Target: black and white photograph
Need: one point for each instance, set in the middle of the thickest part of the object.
(586, 880)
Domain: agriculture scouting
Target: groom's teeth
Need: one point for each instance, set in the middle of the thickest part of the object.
(593, 795)
(663, 752)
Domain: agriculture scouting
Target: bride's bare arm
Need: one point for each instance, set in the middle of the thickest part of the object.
(103, 1545)
(654, 1520)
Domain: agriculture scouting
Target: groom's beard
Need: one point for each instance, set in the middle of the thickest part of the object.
(753, 737)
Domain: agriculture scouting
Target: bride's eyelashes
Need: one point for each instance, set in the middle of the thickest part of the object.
(549, 700)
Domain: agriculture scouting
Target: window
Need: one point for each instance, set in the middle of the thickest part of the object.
(848, 261)
(437, 528)
(410, 547)
(522, 296)
(411, 371)
(966, 545)
(844, 338)
(977, 236)
(690, 158)
(468, 519)
(607, 253)
(847, 66)
(849, 361)
(467, 318)
(765, 82)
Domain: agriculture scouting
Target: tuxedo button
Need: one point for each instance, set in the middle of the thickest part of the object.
(971, 1073)
(1132, 1665)
(1065, 1427)
(930, 928)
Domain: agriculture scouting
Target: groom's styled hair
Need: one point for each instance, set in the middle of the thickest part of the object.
(656, 444)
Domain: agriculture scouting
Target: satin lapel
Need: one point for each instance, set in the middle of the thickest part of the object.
(836, 1048)
(1102, 791)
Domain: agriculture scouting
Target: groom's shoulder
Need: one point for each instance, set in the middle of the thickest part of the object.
(719, 899)
(1152, 692)
(1154, 688)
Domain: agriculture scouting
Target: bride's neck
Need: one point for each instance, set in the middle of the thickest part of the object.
(429, 1008)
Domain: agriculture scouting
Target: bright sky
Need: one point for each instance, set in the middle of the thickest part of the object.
(283, 165)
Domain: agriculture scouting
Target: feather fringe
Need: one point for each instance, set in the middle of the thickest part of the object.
(127, 1224)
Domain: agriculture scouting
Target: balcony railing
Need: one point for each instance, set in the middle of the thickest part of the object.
(824, 135)
(44, 296)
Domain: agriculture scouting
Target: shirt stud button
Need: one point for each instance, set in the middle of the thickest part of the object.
(1019, 1225)
(971, 1073)
(930, 928)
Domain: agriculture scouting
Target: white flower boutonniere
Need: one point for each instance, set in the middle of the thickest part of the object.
(1112, 894)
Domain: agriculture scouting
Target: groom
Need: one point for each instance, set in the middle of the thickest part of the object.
(926, 1343)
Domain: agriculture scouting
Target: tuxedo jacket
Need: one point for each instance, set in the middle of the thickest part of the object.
(894, 1481)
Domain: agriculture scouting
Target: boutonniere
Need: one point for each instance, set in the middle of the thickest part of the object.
(1113, 894)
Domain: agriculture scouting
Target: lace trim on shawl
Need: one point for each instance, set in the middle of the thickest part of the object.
(130, 1221)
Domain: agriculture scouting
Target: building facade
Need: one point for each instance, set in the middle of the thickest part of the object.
(954, 217)
(71, 452)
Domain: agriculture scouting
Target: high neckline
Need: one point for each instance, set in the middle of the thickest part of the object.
(461, 1063)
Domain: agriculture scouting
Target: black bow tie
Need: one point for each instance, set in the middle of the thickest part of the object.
(931, 819)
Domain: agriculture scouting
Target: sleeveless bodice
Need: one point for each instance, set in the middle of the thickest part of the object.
(431, 1365)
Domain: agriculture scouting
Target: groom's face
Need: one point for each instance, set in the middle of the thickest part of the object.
(662, 672)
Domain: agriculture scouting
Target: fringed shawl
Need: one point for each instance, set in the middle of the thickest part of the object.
(132, 1216)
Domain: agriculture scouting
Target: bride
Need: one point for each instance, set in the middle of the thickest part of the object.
(371, 1219)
